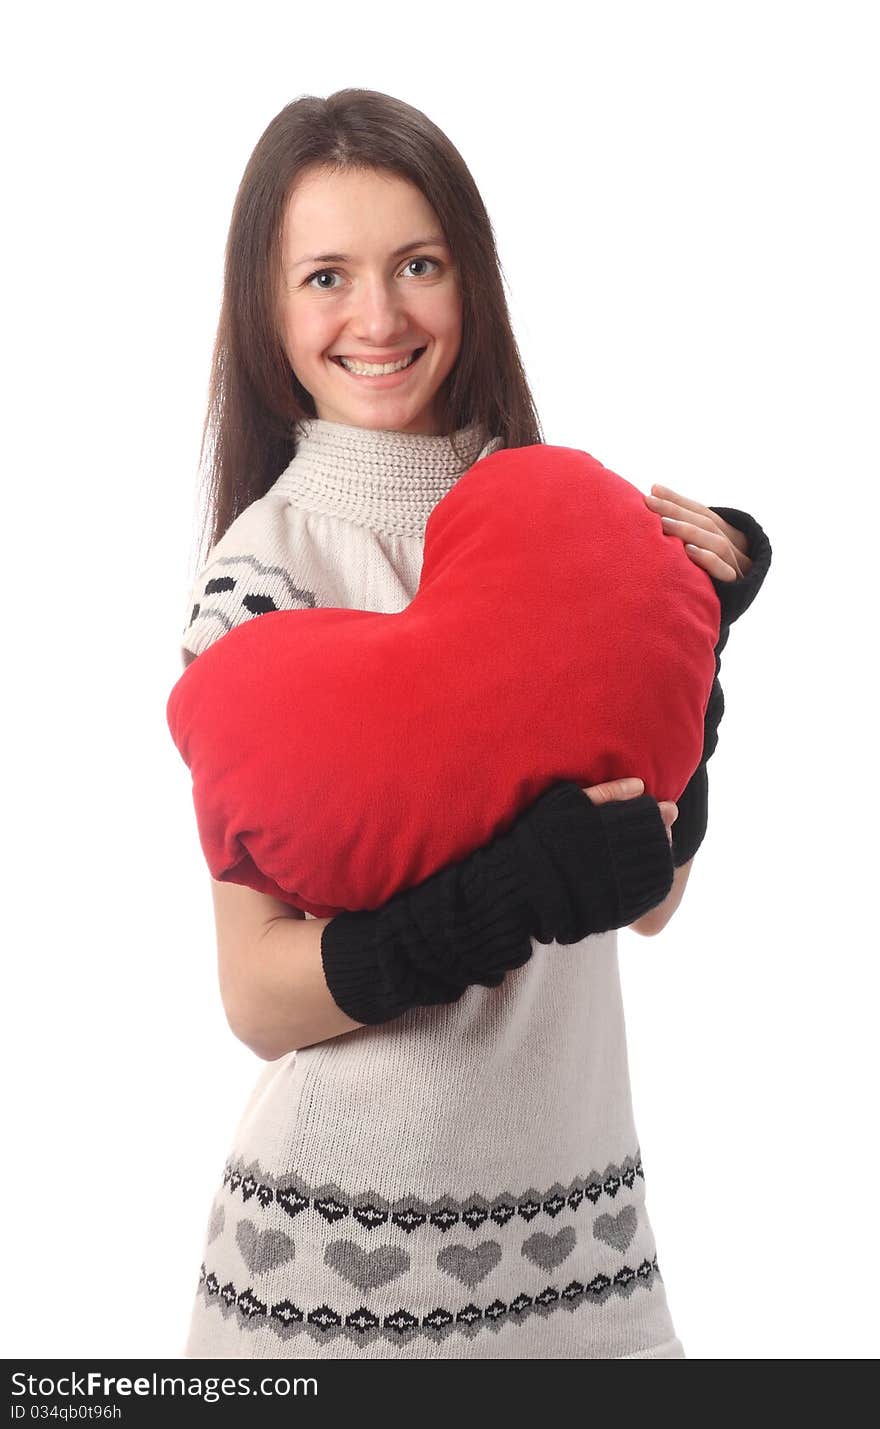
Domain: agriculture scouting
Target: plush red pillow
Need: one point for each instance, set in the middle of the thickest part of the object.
(340, 756)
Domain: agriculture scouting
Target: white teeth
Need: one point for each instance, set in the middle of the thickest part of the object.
(370, 369)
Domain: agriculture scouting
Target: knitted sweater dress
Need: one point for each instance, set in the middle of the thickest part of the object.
(464, 1181)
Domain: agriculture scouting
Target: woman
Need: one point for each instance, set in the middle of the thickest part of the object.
(460, 1179)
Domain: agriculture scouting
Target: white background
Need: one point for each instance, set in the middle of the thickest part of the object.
(684, 196)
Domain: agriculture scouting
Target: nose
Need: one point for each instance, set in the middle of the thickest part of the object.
(379, 312)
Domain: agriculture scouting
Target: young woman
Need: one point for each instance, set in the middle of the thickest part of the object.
(412, 1179)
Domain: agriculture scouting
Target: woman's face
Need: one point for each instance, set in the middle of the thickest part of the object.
(366, 274)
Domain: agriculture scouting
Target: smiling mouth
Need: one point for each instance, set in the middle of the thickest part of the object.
(414, 357)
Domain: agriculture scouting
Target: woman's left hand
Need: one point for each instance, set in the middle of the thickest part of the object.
(711, 542)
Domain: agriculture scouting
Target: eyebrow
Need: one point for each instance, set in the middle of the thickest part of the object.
(435, 240)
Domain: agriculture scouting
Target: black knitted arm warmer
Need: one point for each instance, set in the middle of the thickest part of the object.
(565, 869)
(735, 597)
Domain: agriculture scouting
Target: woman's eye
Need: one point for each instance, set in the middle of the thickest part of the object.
(332, 273)
(423, 260)
(324, 273)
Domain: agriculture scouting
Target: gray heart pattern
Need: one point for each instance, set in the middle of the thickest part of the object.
(366, 1269)
(262, 1250)
(617, 1230)
(548, 1251)
(470, 1264)
(216, 1223)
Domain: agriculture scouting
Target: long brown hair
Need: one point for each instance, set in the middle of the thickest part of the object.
(254, 399)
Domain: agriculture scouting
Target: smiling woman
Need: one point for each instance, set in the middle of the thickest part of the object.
(453, 1170)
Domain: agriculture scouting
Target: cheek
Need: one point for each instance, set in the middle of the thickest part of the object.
(441, 315)
(305, 331)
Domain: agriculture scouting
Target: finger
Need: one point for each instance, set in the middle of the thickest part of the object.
(615, 789)
(728, 564)
(620, 789)
(712, 563)
(665, 501)
(666, 493)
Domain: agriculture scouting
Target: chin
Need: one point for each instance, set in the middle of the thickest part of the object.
(382, 415)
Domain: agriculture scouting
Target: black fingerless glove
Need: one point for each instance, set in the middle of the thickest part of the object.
(735, 597)
(565, 869)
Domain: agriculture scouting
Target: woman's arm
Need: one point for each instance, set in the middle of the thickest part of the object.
(272, 979)
(272, 983)
(567, 868)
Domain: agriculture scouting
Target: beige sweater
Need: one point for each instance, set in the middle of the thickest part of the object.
(465, 1181)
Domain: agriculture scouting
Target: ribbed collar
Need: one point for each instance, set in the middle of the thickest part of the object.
(388, 481)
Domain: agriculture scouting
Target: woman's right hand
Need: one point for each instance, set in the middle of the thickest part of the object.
(631, 789)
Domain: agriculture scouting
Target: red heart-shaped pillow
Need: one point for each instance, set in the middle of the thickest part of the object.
(340, 756)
